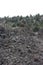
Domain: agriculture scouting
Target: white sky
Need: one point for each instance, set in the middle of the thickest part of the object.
(20, 7)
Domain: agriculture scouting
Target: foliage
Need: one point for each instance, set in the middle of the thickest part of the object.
(14, 25)
(33, 22)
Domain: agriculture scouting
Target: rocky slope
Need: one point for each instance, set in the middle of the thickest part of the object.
(20, 46)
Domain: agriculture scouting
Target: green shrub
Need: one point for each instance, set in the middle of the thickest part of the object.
(20, 24)
(14, 25)
(35, 29)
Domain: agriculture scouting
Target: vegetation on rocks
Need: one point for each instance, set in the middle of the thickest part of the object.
(33, 22)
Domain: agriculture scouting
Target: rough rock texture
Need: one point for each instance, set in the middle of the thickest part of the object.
(20, 47)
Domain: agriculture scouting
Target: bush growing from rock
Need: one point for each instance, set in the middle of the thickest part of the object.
(35, 29)
(14, 25)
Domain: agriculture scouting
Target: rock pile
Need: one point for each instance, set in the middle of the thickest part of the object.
(20, 47)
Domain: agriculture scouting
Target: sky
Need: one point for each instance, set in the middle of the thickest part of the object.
(20, 7)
